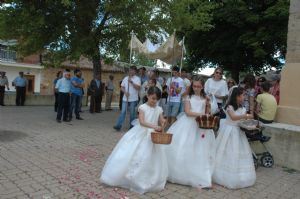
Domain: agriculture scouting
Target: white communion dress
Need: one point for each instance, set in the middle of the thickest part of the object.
(136, 163)
(191, 153)
(234, 166)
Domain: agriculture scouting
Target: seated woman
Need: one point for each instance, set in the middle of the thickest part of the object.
(266, 105)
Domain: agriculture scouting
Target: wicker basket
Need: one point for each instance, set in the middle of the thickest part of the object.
(251, 127)
(161, 138)
(207, 121)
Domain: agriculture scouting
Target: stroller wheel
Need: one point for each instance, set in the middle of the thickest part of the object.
(267, 160)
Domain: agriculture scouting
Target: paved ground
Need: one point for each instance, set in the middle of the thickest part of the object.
(42, 159)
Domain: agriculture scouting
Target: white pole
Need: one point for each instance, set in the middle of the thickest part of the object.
(126, 117)
(132, 33)
(182, 53)
(173, 59)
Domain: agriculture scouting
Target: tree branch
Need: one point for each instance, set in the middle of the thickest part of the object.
(101, 25)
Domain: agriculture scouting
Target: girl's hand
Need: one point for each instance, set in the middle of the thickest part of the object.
(249, 116)
(207, 98)
(158, 129)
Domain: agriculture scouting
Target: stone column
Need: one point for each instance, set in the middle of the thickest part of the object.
(289, 105)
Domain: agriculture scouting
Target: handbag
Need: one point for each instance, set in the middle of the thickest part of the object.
(214, 105)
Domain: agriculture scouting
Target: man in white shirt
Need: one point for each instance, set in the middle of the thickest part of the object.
(130, 86)
(175, 87)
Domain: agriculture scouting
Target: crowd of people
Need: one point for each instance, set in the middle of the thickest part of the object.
(258, 93)
(196, 157)
(258, 100)
(69, 92)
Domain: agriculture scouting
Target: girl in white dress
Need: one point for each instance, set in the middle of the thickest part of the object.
(136, 163)
(234, 166)
(191, 153)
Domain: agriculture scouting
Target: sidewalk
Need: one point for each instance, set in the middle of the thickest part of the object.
(42, 159)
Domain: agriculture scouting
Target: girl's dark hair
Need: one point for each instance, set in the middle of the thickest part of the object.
(249, 81)
(197, 79)
(154, 90)
(237, 91)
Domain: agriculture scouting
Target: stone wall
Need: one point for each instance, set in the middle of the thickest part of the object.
(49, 74)
(289, 106)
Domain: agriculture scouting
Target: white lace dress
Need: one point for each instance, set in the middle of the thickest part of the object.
(191, 153)
(136, 163)
(234, 166)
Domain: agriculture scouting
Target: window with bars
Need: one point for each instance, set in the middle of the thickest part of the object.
(7, 55)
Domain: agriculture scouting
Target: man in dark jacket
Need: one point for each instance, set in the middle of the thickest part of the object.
(95, 91)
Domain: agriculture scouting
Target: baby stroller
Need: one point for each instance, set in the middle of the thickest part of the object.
(254, 132)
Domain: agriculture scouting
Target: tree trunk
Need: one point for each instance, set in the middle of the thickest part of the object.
(96, 65)
(235, 73)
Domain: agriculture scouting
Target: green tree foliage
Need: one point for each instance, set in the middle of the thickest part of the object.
(71, 28)
(247, 35)
(191, 15)
(139, 59)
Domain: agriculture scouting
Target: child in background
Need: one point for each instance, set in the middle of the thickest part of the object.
(151, 83)
(234, 166)
(136, 163)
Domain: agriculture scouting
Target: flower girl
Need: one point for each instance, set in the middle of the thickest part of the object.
(136, 163)
(234, 166)
(191, 153)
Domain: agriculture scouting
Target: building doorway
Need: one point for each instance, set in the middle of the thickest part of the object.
(30, 84)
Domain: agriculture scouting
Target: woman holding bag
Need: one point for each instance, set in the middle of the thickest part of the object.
(217, 87)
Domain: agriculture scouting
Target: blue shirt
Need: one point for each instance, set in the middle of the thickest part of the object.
(20, 81)
(97, 82)
(76, 90)
(63, 85)
(110, 85)
(143, 79)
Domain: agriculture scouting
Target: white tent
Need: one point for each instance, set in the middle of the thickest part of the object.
(169, 52)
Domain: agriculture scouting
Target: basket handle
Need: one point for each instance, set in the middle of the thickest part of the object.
(163, 125)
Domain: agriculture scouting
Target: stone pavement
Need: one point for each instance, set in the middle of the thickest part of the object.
(42, 159)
